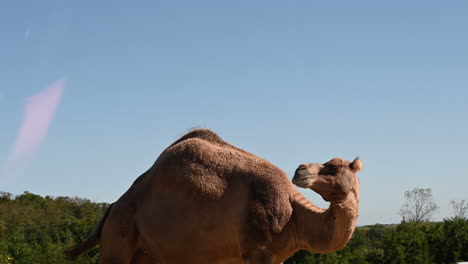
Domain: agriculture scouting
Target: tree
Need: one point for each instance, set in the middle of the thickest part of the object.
(406, 244)
(35, 229)
(302, 257)
(375, 235)
(418, 205)
(456, 239)
(459, 208)
(436, 241)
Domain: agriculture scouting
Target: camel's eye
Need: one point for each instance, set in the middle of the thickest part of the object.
(330, 169)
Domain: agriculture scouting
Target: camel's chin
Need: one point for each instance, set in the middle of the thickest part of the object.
(304, 182)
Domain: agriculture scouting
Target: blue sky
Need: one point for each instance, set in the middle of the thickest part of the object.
(291, 81)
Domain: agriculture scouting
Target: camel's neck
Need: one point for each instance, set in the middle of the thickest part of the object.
(325, 230)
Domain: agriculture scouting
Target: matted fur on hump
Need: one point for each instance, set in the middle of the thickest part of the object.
(206, 164)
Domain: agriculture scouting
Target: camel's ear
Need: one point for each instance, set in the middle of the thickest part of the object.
(356, 165)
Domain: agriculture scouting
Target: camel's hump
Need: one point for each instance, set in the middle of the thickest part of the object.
(204, 162)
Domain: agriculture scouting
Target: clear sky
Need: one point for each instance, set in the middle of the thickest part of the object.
(291, 81)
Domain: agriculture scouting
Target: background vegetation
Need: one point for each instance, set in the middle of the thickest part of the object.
(35, 229)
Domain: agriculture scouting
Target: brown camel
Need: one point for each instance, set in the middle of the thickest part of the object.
(206, 201)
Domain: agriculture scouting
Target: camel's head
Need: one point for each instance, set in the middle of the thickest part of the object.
(333, 180)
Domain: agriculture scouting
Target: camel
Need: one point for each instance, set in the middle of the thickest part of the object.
(207, 201)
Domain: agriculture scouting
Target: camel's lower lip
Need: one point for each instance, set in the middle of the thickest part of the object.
(304, 181)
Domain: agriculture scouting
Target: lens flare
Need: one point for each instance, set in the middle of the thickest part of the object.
(38, 114)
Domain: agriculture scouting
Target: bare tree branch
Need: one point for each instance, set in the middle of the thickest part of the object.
(460, 208)
(418, 206)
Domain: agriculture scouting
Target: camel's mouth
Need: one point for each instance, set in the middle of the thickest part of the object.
(303, 178)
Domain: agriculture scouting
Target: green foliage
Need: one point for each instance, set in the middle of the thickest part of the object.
(35, 229)
(5, 259)
(407, 244)
(456, 242)
(436, 240)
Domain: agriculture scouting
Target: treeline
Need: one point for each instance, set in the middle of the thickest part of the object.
(35, 229)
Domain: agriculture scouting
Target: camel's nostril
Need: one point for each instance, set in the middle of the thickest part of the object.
(304, 174)
(302, 167)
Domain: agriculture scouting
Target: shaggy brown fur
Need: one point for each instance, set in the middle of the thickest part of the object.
(207, 201)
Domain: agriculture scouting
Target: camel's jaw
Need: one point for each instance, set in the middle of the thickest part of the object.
(304, 178)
